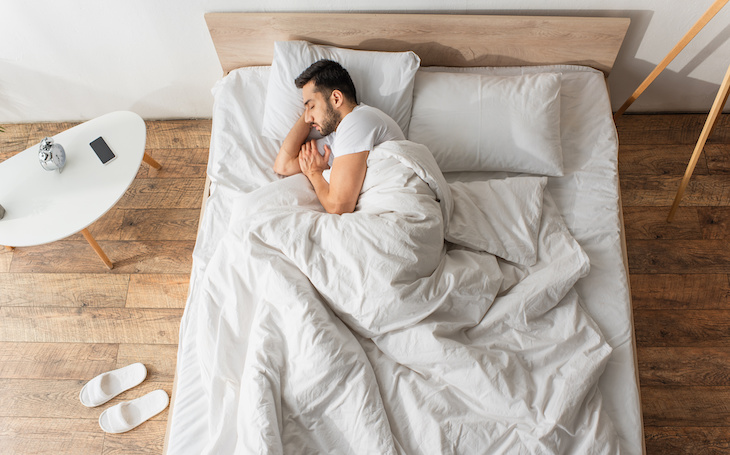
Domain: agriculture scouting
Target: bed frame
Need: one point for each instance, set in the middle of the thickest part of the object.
(246, 39)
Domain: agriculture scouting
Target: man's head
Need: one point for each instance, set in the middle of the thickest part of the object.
(328, 94)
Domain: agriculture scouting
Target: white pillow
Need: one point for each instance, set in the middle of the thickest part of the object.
(475, 122)
(382, 79)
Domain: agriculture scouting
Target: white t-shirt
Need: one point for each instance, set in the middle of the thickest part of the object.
(360, 131)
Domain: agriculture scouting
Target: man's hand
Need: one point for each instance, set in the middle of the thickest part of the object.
(310, 161)
(348, 173)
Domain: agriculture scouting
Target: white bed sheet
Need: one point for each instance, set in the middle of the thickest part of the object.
(587, 197)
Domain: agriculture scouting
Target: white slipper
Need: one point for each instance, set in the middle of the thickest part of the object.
(110, 384)
(129, 414)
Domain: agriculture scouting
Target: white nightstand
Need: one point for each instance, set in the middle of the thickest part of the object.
(45, 206)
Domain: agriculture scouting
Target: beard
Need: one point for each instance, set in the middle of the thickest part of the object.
(330, 121)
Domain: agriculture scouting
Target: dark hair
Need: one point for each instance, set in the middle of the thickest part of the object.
(328, 76)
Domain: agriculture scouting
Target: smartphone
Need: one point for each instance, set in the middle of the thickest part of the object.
(102, 150)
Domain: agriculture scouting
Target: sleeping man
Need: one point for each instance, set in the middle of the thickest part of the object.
(350, 131)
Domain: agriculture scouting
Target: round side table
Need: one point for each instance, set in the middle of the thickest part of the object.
(44, 206)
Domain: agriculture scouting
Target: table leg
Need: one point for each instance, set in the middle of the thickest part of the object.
(149, 160)
(97, 248)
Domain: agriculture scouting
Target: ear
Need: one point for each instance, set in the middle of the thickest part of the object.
(337, 98)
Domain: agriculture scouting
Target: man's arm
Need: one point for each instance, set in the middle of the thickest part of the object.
(346, 178)
(287, 161)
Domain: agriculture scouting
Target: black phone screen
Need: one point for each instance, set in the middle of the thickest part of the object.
(102, 150)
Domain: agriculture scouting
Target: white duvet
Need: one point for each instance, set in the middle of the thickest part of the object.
(428, 321)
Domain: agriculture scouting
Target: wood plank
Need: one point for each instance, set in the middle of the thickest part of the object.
(56, 398)
(147, 438)
(56, 360)
(669, 129)
(128, 257)
(153, 256)
(158, 291)
(649, 159)
(715, 222)
(63, 289)
(168, 193)
(160, 360)
(45, 436)
(680, 291)
(651, 223)
(6, 257)
(178, 134)
(50, 398)
(686, 406)
(246, 39)
(160, 224)
(678, 256)
(177, 163)
(688, 440)
(682, 328)
(13, 140)
(89, 325)
(718, 158)
(659, 190)
(677, 366)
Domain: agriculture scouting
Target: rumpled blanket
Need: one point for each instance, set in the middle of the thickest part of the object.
(438, 318)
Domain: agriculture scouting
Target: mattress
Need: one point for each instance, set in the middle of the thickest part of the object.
(587, 197)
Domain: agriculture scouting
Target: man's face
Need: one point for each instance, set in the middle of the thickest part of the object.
(318, 110)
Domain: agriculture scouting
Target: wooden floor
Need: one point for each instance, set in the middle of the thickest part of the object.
(680, 279)
(65, 318)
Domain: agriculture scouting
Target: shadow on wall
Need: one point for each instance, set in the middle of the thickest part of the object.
(12, 105)
(671, 90)
(157, 104)
(52, 97)
(56, 98)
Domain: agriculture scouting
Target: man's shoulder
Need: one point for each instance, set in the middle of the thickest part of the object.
(366, 109)
(370, 115)
(369, 122)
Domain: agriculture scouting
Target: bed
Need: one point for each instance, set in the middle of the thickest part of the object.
(478, 299)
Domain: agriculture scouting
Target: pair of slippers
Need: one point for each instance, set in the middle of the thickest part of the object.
(129, 414)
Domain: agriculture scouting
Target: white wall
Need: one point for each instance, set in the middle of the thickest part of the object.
(77, 59)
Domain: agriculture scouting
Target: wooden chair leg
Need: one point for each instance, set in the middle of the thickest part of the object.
(720, 100)
(149, 160)
(97, 248)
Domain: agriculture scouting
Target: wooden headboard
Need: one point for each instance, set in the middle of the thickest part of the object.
(246, 39)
